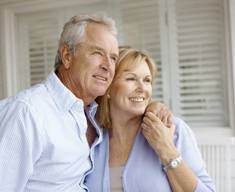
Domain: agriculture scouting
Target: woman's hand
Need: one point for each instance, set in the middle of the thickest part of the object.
(159, 137)
(162, 112)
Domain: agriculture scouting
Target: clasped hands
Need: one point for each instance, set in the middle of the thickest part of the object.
(158, 129)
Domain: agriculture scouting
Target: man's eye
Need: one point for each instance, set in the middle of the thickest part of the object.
(131, 79)
(114, 59)
(98, 53)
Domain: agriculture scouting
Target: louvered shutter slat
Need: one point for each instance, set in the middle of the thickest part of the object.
(141, 29)
(43, 35)
(200, 42)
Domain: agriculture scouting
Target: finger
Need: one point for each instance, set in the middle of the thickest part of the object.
(170, 120)
(159, 113)
(151, 116)
(163, 114)
(154, 107)
(146, 134)
(151, 123)
(172, 130)
(165, 117)
(144, 126)
(154, 119)
(147, 121)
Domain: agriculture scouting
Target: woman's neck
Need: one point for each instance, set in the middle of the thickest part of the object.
(121, 140)
(123, 129)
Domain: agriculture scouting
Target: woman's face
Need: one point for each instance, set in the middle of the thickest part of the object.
(132, 90)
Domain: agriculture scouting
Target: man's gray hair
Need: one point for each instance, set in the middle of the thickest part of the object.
(74, 32)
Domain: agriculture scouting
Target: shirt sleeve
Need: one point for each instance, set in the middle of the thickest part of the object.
(187, 144)
(20, 146)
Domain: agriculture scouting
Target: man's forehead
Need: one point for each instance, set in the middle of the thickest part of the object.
(100, 35)
(93, 46)
(95, 30)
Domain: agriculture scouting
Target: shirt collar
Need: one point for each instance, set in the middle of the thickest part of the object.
(62, 96)
(91, 110)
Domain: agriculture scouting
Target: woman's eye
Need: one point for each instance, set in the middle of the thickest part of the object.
(148, 80)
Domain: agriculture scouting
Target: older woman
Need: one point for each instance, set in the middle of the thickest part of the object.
(140, 153)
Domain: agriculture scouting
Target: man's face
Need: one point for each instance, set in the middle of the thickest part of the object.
(92, 66)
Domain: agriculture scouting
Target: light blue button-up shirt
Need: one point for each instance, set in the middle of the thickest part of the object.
(43, 145)
(143, 171)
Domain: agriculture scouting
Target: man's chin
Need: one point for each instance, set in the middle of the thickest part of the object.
(99, 93)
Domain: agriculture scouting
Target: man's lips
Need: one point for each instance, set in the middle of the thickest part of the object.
(100, 77)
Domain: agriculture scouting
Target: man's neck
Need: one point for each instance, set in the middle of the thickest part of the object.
(64, 77)
(91, 132)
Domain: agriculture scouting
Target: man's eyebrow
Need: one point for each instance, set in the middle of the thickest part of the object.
(102, 49)
(114, 55)
(96, 47)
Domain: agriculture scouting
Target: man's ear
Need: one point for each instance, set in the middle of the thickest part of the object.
(66, 56)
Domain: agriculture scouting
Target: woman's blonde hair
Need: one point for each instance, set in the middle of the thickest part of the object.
(128, 57)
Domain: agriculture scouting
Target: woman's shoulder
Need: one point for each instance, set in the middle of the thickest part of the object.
(181, 127)
(183, 132)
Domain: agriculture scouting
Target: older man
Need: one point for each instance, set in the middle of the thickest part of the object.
(43, 143)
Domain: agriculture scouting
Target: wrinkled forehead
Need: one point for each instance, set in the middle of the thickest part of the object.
(100, 35)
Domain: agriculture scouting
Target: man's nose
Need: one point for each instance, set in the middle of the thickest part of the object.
(104, 67)
(106, 64)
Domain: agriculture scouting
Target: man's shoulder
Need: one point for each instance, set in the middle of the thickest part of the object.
(31, 97)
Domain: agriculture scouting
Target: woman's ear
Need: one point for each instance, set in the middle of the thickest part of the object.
(66, 56)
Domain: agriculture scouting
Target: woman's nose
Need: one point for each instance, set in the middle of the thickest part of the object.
(140, 85)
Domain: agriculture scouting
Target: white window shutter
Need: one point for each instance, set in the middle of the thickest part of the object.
(190, 73)
(1, 83)
(39, 41)
(43, 42)
(200, 36)
(140, 28)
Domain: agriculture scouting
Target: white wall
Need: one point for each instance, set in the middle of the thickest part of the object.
(1, 68)
(232, 26)
(233, 169)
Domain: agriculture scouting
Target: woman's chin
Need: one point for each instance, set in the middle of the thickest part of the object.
(138, 112)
